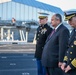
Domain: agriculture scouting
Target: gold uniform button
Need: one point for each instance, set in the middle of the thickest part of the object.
(70, 52)
(70, 59)
(71, 45)
(37, 38)
(67, 51)
(38, 34)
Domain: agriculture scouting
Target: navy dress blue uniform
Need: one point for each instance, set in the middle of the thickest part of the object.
(70, 56)
(54, 50)
(42, 33)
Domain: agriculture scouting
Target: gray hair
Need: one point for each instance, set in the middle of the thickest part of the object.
(59, 17)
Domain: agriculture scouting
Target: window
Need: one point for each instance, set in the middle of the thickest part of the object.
(30, 16)
(22, 12)
(18, 11)
(13, 9)
(1, 10)
(26, 13)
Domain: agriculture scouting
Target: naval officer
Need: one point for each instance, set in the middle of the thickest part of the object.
(69, 65)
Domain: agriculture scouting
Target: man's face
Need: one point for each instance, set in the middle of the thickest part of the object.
(43, 21)
(72, 22)
(54, 21)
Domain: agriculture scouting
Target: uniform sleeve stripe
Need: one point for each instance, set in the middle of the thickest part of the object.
(74, 63)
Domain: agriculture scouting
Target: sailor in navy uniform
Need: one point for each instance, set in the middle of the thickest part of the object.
(42, 33)
(69, 64)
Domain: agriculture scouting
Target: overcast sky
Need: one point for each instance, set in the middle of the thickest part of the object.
(63, 4)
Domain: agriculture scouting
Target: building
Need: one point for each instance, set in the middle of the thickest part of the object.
(24, 10)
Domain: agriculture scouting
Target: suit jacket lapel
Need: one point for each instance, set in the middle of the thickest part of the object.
(59, 27)
(56, 31)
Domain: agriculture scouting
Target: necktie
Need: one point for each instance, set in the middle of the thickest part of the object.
(52, 33)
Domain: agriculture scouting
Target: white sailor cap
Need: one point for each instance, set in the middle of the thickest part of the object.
(69, 14)
(43, 15)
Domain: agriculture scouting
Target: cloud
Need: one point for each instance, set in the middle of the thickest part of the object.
(63, 4)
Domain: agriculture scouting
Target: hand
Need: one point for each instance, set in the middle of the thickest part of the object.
(59, 64)
(63, 66)
(67, 69)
